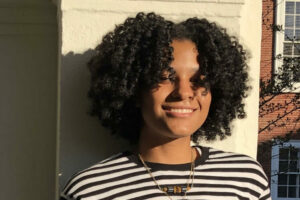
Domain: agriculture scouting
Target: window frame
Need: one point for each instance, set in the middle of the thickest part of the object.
(275, 167)
(279, 38)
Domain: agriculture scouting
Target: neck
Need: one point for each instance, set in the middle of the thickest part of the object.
(165, 150)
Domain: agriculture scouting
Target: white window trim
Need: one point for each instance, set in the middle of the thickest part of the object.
(275, 166)
(279, 38)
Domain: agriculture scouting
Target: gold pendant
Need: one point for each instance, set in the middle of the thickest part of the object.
(175, 189)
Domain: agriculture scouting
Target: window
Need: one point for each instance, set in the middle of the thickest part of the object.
(288, 38)
(285, 174)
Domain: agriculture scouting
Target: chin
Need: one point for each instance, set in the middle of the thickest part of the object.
(178, 133)
(183, 129)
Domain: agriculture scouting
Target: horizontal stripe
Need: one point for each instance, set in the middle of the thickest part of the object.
(134, 189)
(218, 175)
(133, 177)
(197, 196)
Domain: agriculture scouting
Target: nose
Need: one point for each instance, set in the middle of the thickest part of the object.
(184, 90)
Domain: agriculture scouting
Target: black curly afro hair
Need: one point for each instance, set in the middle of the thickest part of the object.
(133, 57)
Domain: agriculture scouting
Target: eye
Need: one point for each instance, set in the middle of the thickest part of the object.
(198, 82)
(166, 78)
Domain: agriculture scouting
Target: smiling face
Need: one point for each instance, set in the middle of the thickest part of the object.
(178, 107)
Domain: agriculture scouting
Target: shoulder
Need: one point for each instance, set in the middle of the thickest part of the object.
(237, 171)
(227, 156)
(97, 174)
(236, 163)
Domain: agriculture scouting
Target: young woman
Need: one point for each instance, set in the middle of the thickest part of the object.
(161, 85)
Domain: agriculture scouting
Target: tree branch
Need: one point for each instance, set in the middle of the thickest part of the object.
(278, 118)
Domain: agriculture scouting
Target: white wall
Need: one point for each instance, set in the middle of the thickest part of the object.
(245, 132)
(28, 100)
(83, 23)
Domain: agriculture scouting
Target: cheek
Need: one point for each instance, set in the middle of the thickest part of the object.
(158, 96)
(207, 99)
(152, 102)
(204, 98)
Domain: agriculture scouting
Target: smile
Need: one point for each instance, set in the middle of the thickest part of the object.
(181, 110)
(178, 111)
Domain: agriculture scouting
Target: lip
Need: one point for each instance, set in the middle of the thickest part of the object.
(178, 107)
(170, 113)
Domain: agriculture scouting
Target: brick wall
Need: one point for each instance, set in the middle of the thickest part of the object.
(267, 55)
(266, 69)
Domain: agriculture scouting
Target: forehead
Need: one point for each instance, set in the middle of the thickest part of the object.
(184, 45)
(185, 55)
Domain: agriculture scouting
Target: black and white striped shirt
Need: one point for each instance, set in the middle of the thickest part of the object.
(218, 175)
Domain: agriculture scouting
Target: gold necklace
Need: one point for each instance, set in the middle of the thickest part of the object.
(174, 189)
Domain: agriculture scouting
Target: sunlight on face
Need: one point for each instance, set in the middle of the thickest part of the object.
(179, 106)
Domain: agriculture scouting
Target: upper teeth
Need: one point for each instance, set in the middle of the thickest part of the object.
(182, 110)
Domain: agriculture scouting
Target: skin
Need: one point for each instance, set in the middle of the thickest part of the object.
(166, 133)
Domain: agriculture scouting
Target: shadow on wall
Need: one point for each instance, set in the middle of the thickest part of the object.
(83, 141)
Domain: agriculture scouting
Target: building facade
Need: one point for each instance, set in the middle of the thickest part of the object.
(279, 140)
